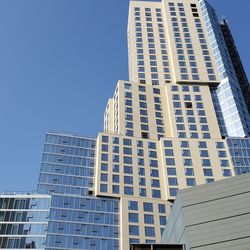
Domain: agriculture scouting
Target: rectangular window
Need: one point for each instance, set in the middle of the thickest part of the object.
(150, 231)
(208, 172)
(133, 217)
(132, 205)
(191, 182)
(147, 207)
(148, 219)
(172, 181)
(133, 230)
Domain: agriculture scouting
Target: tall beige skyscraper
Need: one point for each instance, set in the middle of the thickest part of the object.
(180, 121)
(162, 131)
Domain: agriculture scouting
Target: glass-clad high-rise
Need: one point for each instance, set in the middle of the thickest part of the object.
(77, 219)
(23, 220)
(180, 121)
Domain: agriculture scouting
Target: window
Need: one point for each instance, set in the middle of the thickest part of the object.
(141, 171)
(105, 147)
(132, 205)
(127, 160)
(144, 119)
(172, 181)
(184, 144)
(116, 139)
(168, 144)
(222, 154)
(128, 190)
(115, 168)
(140, 152)
(156, 91)
(169, 152)
(105, 138)
(224, 163)
(188, 105)
(203, 120)
(156, 193)
(180, 126)
(104, 157)
(127, 142)
(143, 105)
(143, 192)
(182, 135)
(133, 230)
(133, 217)
(196, 89)
(185, 88)
(152, 154)
(140, 161)
(161, 208)
(127, 151)
(201, 112)
(163, 220)
(129, 125)
(155, 183)
(170, 161)
(128, 180)
(104, 167)
(220, 145)
(208, 172)
(202, 144)
(142, 97)
(148, 219)
(177, 105)
(204, 153)
(143, 112)
(187, 162)
(176, 97)
(144, 135)
(147, 207)
(153, 163)
(227, 172)
(104, 177)
(142, 181)
(128, 170)
(104, 188)
(150, 231)
(186, 153)
(140, 144)
(171, 171)
(116, 178)
(206, 163)
(191, 182)
(154, 173)
(191, 119)
(209, 180)
(174, 88)
(189, 172)
(173, 191)
(116, 189)
(179, 119)
(116, 149)
(142, 88)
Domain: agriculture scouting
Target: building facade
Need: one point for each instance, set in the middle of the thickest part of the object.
(214, 216)
(77, 219)
(23, 220)
(180, 121)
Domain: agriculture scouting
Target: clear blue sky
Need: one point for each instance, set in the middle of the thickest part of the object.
(59, 62)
